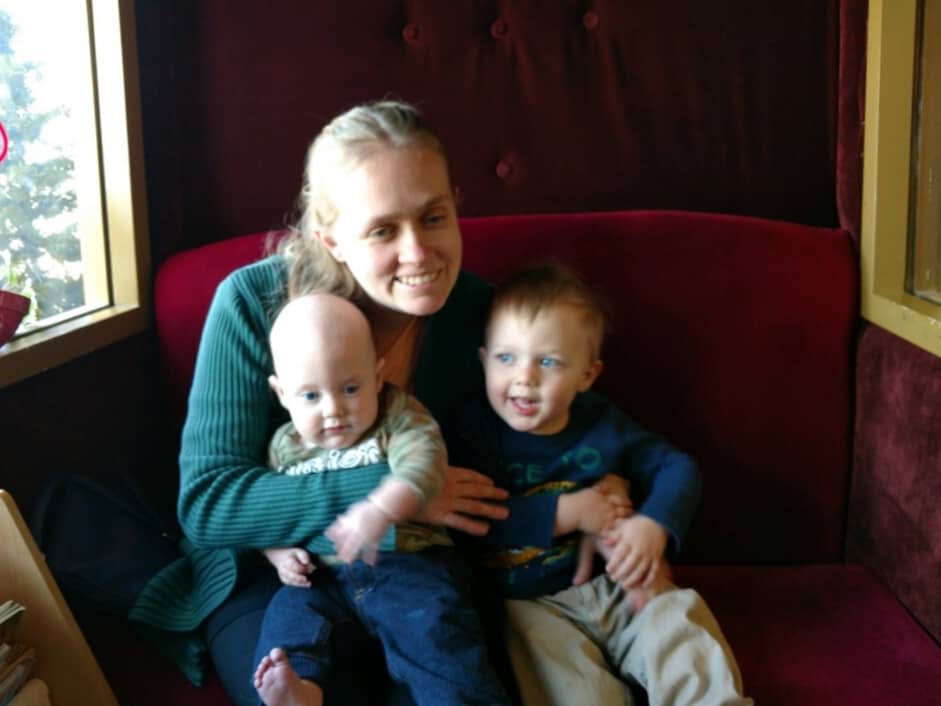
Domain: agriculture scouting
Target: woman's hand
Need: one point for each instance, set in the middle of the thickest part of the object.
(466, 502)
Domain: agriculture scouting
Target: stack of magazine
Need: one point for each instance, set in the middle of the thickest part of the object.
(16, 658)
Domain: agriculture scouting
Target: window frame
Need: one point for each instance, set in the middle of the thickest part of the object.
(113, 45)
(887, 178)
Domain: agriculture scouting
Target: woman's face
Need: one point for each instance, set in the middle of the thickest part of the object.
(397, 229)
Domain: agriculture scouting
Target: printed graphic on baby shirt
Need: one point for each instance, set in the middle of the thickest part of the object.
(363, 454)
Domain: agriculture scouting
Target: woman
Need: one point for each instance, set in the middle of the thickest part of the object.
(379, 226)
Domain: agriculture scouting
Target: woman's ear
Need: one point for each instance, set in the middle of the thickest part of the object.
(590, 375)
(330, 243)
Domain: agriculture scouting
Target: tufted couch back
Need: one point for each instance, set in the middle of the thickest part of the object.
(731, 336)
(563, 106)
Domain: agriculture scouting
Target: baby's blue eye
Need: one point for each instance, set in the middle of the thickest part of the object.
(504, 358)
(310, 396)
(549, 362)
(434, 219)
(351, 389)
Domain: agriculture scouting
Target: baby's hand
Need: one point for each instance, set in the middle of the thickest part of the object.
(293, 565)
(356, 533)
(636, 547)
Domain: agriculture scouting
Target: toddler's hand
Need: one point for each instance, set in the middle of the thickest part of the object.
(588, 545)
(600, 509)
(636, 547)
(293, 565)
(616, 489)
(662, 582)
(356, 533)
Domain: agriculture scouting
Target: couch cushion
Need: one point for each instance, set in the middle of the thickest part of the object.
(183, 289)
(809, 635)
(820, 635)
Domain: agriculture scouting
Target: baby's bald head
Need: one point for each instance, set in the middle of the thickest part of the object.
(321, 324)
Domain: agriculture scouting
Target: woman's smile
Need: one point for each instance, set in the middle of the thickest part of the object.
(418, 280)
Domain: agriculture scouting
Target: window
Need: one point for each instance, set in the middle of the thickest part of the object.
(901, 218)
(925, 263)
(73, 231)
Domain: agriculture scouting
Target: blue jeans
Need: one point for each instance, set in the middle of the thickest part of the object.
(232, 633)
(416, 605)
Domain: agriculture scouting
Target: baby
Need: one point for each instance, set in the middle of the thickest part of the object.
(343, 418)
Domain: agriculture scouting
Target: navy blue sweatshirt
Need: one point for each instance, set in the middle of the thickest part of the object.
(526, 559)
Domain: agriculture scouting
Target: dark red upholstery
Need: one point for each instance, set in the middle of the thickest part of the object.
(732, 336)
(183, 289)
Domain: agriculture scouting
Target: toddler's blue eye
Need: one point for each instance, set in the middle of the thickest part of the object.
(381, 232)
(351, 389)
(549, 362)
(504, 358)
(310, 396)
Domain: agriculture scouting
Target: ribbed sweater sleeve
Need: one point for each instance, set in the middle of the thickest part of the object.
(228, 497)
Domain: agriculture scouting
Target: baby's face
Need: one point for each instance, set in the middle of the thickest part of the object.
(332, 396)
(535, 368)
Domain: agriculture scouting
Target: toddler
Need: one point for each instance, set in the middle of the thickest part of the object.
(557, 447)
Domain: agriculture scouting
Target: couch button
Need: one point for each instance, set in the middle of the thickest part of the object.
(590, 20)
(499, 28)
(504, 169)
(410, 33)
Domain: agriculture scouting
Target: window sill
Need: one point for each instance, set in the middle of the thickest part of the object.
(36, 352)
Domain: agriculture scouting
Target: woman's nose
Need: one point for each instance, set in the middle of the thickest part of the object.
(412, 245)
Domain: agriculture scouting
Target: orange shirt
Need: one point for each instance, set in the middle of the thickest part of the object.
(401, 355)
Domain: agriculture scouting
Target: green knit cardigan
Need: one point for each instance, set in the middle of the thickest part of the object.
(230, 503)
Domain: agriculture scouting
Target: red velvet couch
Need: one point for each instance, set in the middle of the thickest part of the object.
(733, 337)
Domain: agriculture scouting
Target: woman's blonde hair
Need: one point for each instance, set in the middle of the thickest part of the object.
(343, 144)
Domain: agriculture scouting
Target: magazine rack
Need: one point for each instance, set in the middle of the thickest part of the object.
(64, 659)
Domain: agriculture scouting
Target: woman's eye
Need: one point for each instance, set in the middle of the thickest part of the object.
(505, 358)
(310, 396)
(351, 389)
(549, 362)
(381, 232)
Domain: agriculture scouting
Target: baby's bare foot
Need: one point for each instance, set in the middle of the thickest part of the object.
(278, 684)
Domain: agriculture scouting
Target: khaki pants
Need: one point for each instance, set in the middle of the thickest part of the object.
(571, 647)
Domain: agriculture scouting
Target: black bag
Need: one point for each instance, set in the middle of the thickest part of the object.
(102, 540)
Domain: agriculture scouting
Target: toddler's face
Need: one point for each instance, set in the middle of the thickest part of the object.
(332, 396)
(535, 368)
